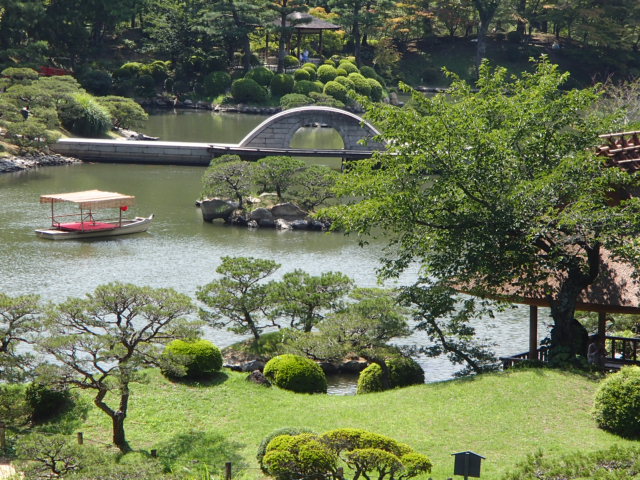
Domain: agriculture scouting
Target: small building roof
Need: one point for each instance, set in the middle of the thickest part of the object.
(307, 23)
(91, 199)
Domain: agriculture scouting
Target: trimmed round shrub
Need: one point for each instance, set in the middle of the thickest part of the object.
(128, 70)
(145, 86)
(341, 72)
(361, 84)
(261, 75)
(370, 379)
(404, 371)
(312, 73)
(301, 74)
(376, 89)
(328, 61)
(290, 61)
(348, 67)
(310, 65)
(336, 90)
(281, 84)
(294, 100)
(97, 82)
(84, 116)
(305, 87)
(326, 73)
(345, 82)
(216, 83)
(47, 402)
(296, 373)
(191, 359)
(368, 71)
(248, 90)
(323, 100)
(617, 403)
(262, 448)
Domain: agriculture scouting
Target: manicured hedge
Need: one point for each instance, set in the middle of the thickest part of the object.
(617, 403)
(296, 373)
(198, 359)
(281, 84)
(248, 90)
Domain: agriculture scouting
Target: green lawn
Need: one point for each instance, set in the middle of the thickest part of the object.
(501, 416)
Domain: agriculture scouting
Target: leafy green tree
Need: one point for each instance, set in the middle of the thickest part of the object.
(238, 300)
(282, 9)
(275, 173)
(494, 188)
(228, 176)
(125, 112)
(19, 321)
(302, 299)
(313, 186)
(100, 342)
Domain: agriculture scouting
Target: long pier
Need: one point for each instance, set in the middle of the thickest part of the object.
(181, 153)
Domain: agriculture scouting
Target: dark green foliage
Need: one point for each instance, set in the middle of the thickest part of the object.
(22, 76)
(617, 403)
(313, 75)
(341, 72)
(15, 411)
(145, 86)
(514, 37)
(361, 84)
(370, 379)
(295, 373)
(261, 75)
(47, 402)
(84, 116)
(305, 87)
(262, 448)
(336, 90)
(301, 74)
(191, 359)
(615, 463)
(311, 66)
(301, 456)
(97, 82)
(281, 84)
(125, 112)
(376, 89)
(404, 371)
(31, 134)
(274, 173)
(345, 82)
(329, 62)
(348, 67)
(368, 71)
(313, 185)
(248, 90)
(128, 70)
(216, 83)
(290, 61)
(294, 100)
(326, 73)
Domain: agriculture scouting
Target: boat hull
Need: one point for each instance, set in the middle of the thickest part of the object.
(137, 225)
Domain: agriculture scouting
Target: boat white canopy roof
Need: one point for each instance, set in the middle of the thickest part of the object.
(91, 199)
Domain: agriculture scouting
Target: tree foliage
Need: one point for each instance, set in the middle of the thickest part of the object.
(19, 321)
(495, 187)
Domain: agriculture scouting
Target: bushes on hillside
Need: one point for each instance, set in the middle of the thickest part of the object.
(294, 100)
(46, 402)
(360, 83)
(296, 373)
(191, 359)
(336, 90)
(125, 113)
(305, 87)
(261, 75)
(326, 73)
(262, 448)
(290, 61)
(281, 84)
(301, 74)
(348, 67)
(617, 403)
(403, 371)
(248, 90)
(216, 83)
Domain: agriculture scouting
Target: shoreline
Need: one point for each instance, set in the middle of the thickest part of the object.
(21, 163)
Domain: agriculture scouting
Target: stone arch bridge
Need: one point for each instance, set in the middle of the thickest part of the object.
(271, 137)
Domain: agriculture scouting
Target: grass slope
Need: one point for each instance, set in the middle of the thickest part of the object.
(501, 416)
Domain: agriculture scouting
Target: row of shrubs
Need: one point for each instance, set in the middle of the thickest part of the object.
(200, 359)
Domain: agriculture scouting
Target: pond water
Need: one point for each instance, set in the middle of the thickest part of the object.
(180, 250)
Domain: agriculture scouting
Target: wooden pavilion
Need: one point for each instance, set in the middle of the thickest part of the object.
(305, 24)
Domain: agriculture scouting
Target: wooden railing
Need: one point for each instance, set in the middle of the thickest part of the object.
(620, 351)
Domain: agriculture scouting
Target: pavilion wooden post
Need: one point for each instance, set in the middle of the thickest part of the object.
(602, 329)
(533, 332)
(321, 44)
(298, 44)
(266, 50)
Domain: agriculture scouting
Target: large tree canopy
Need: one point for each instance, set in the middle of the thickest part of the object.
(495, 187)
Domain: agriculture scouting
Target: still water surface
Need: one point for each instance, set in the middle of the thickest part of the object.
(180, 250)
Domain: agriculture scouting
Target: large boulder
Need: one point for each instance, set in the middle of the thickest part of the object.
(288, 211)
(261, 214)
(213, 208)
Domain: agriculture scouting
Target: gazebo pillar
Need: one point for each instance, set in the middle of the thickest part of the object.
(602, 329)
(298, 44)
(533, 332)
(321, 45)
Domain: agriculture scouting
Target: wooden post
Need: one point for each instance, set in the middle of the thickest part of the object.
(298, 44)
(340, 472)
(227, 471)
(320, 50)
(533, 332)
(80, 438)
(3, 436)
(602, 329)
(154, 453)
(266, 49)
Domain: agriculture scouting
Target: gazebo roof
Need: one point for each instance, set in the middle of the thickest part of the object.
(614, 291)
(307, 23)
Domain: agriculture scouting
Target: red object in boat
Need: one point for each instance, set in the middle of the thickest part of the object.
(124, 208)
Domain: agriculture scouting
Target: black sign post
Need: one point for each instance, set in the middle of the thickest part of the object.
(467, 464)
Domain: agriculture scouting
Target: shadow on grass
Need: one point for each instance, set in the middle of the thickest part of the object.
(191, 451)
(217, 378)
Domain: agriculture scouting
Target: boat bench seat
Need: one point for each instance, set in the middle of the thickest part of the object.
(87, 226)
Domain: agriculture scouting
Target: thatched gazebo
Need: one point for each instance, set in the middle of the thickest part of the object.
(305, 24)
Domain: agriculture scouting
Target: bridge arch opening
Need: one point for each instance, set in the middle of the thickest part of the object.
(317, 137)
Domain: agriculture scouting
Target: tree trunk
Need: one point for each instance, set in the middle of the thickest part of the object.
(282, 42)
(521, 10)
(481, 50)
(117, 417)
(356, 36)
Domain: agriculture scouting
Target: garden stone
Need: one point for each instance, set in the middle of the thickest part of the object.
(282, 224)
(213, 208)
(258, 378)
(287, 210)
(261, 214)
